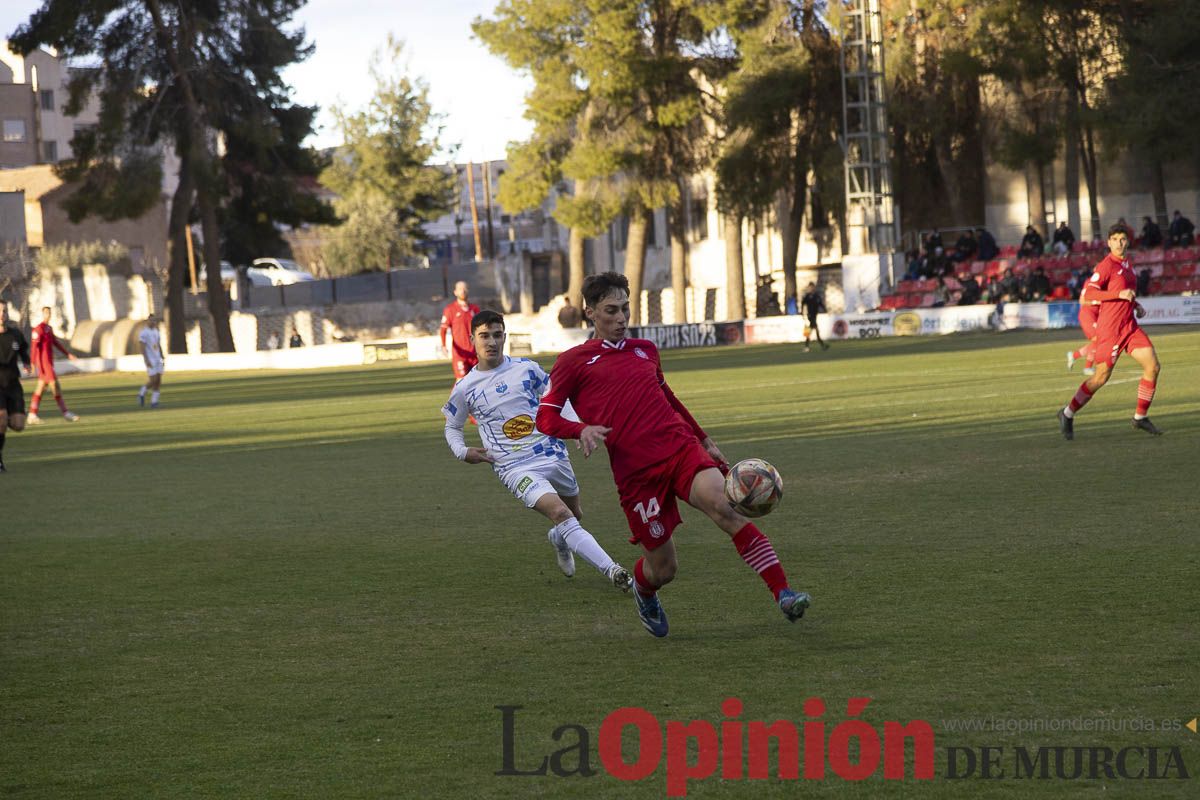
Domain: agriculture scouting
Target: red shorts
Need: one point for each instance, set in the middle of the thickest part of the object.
(649, 497)
(1089, 315)
(45, 372)
(462, 366)
(1109, 349)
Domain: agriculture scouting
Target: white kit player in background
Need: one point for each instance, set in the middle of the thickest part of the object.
(501, 394)
(152, 354)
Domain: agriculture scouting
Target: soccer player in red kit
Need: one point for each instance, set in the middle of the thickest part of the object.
(456, 318)
(657, 451)
(43, 346)
(1089, 316)
(1113, 284)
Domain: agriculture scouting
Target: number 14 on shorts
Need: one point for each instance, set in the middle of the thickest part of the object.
(647, 510)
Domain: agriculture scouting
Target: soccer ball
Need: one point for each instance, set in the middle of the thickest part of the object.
(753, 487)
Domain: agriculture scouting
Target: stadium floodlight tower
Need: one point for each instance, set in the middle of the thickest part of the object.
(870, 207)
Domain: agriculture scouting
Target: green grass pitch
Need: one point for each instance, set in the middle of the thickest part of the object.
(284, 586)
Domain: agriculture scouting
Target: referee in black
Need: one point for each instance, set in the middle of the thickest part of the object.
(14, 351)
(812, 303)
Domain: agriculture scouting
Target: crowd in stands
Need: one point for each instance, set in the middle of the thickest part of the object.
(976, 270)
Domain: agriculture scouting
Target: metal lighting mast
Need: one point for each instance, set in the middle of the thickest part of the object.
(870, 215)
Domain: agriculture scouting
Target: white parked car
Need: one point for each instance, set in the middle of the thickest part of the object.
(228, 274)
(276, 272)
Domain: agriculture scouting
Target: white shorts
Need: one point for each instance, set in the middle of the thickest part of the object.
(155, 368)
(528, 482)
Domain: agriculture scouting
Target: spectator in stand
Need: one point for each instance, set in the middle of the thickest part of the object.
(934, 244)
(970, 290)
(941, 293)
(1076, 281)
(1151, 234)
(295, 341)
(1143, 283)
(966, 247)
(987, 245)
(1181, 233)
(1010, 287)
(1038, 287)
(929, 265)
(993, 293)
(1032, 244)
(1064, 237)
(1128, 228)
(913, 272)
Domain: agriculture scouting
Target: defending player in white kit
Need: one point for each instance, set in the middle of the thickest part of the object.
(152, 355)
(502, 395)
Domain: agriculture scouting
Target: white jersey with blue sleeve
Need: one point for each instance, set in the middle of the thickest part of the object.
(504, 402)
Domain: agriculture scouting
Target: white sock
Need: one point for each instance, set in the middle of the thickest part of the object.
(584, 545)
(142, 392)
(154, 397)
(1068, 413)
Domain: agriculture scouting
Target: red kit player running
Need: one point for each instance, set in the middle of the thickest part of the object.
(43, 347)
(1089, 317)
(657, 451)
(456, 318)
(1113, 284)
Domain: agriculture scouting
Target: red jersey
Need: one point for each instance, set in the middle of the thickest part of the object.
(44, 342)
(457, 320)
(620, 386)
(1112, 276)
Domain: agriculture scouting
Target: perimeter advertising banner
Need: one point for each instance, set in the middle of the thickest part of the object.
(1174, 310)
(694, 334)
(376, 352)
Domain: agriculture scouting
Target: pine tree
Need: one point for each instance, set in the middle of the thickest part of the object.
(385, 165)
(180, 75)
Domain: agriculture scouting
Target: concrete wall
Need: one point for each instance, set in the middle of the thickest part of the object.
(1124, 189)
(146, 236)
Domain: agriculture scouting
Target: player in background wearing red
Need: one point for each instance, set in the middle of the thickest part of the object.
(1089, 315)
(1113, 284)
(44, 344)
(657, 451)
(456, 318)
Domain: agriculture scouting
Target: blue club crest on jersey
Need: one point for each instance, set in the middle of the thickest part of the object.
(501, 388)
(452, 409)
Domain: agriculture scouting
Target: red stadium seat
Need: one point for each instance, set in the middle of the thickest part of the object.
(926, 300)
(1185, 269)
(905, 286)
(1156, 286)
(1178, 254)
(1008, 250)
(978, 267)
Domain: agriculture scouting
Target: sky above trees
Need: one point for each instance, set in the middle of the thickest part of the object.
(482, 99)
